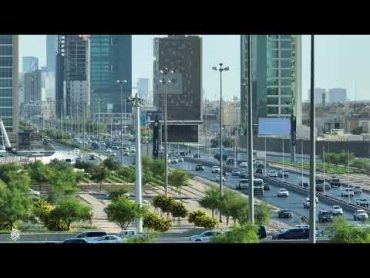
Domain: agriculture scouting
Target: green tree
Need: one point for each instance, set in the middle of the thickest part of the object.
(246, 233)
(117, 190)
(201, 219)
(343, 233)
(123, 212)
(179, 210)
(68, 210)
(15, 205)
(158, 168)
(211, 200)
(39, 172)
(164, 203)
(233, 205)
(127, 174)
(111, 164)
(262, 214)
(153, 222)
(178, 178)
(42, 210)
(100, 175)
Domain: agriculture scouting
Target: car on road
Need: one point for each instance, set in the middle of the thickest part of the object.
(306, 203)
(325, 216)
(113, 154)
(284, 173)
(283, 192)
(180, 159)
(204, 237)
(304, 184)
(266, 186)
(334, 181)
(259, 171)
(285, 213)
(243, 175)
(295, 233)
(218, 177)
(174, 160)
(235, 172)
(230, 161)
(182, 154)
(336, 210)
(196, 155)
(126, 153)
(91, 236)
(258, 186)
(272, 174)
(357, 189)
(347, 192)
(243, 184)
(363, 202)
(108, 239)
(199, 168)
(243, 164)
(360, 215)
(321, 186)
(216, 169)
(92, 157)
(76, 240)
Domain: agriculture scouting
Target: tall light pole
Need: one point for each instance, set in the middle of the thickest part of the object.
(221, 69)
(250, 135)
(121, 82)
(312, 216)
(136, 102)
(165, 71)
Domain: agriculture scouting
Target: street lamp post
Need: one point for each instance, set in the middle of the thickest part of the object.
(165, 81)
(312, 215)
(221, 69)
(136, 102)
(121, 82)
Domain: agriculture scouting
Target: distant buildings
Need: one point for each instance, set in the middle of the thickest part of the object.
(183, 55)
(276, 76)
(111, 60)
(320, 96)
(32, 86)
(30, 64)
(143, 88)
(51, 52)
(73, 76)
(337, 95)
(9, 83)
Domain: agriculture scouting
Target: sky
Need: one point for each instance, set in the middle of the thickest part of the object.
(340, 62)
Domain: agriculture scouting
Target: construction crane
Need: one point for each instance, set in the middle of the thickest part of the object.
(8, 147)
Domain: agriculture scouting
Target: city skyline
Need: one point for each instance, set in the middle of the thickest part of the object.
(341, 62)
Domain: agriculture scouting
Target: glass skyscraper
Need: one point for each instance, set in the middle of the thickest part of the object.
(9, 82)
(276, 76)
(111, 60)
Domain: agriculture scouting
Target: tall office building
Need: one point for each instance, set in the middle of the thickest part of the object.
(337, 95)
(183, 55)
(73, 76)
(30, 63)
(320, 95)
(143, 88)
(276, 76)
(51, 52)
(111, 60)
(32, 86)
(9, 82)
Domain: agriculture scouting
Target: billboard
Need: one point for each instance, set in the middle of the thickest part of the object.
(274, 127)
(181, 133)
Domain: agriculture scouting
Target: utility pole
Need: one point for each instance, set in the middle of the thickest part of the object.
(164, 81)
(250, 135)
(312, 215)
(136, 102)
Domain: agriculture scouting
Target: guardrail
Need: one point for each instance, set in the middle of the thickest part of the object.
(293, 187)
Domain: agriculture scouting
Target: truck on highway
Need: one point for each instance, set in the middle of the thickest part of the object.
(258, 187)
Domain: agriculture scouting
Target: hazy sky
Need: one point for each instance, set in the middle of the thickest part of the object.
(341, 61)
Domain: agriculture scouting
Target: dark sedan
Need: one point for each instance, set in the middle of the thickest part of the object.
(285, 213)
(295, 233)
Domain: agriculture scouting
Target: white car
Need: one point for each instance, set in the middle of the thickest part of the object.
(108, 239)
(345, 192)
(204, 237)
(283, 193)
(218, 178)
(174, 160)
(360, 215)
(272, 173)
(306, 204)
(235, 172)
(180, 159)
(336, 210)
(243, 164)
(216, 169)
(108, 150)
(33, 193)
